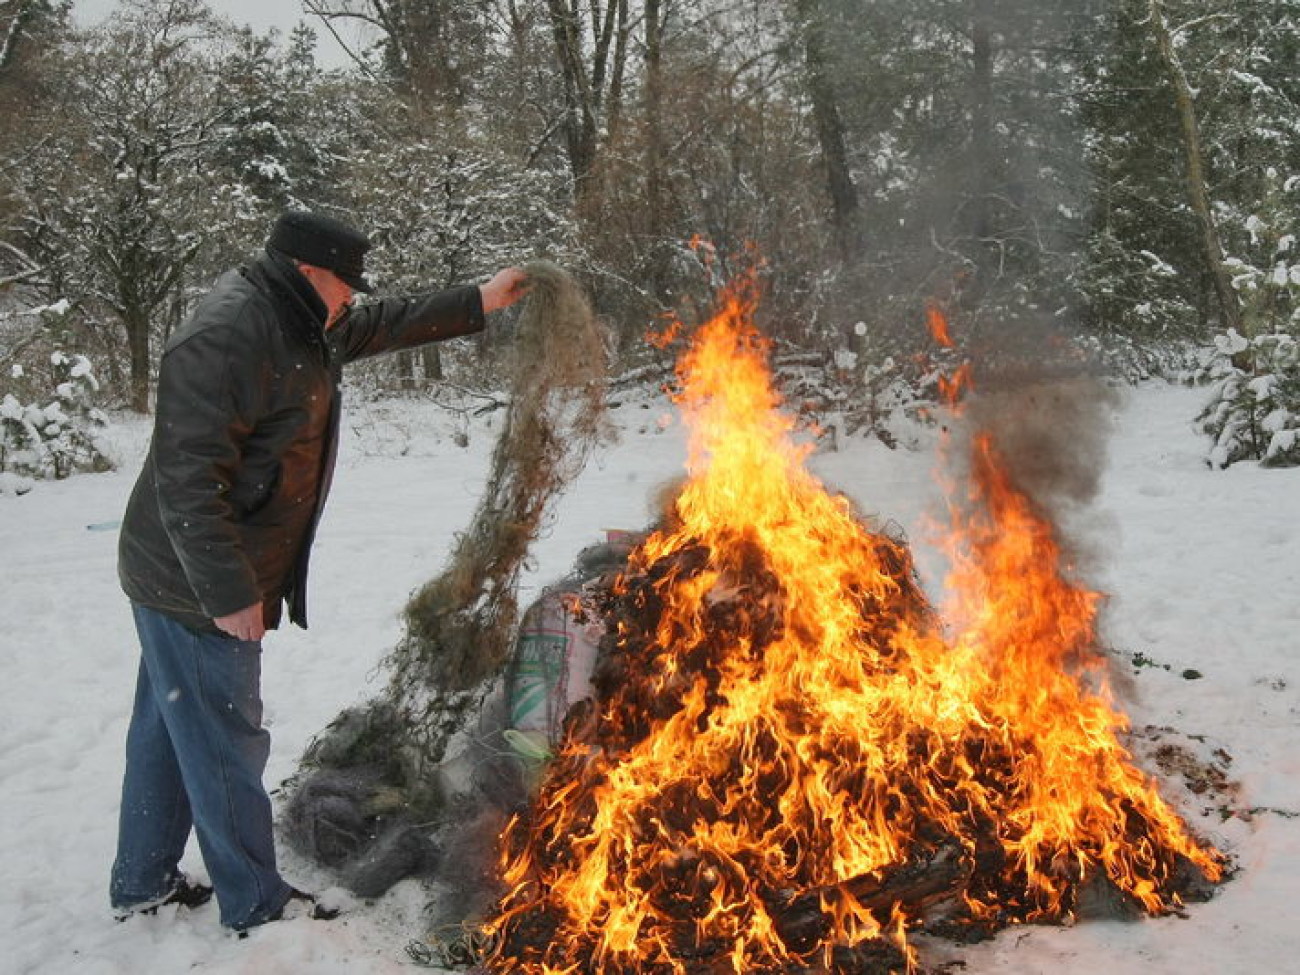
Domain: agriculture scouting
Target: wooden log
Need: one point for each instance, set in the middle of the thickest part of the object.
(801, 920)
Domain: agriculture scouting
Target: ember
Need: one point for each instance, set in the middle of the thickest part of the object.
(792, 763)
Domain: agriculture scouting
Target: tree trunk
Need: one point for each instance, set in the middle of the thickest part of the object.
(137, 338)
(830, 130)
(431, 55)
(1198, 192)
(404, 366)
(654, 147)
(579, 120)
(981, 133)
(12, 34)
(432, 357)
(592, 88)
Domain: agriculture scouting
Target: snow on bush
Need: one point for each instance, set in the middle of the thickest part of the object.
(859, 392)
(1254, 409)
(56, 436)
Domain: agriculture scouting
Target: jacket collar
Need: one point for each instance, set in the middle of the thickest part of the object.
(292, 293)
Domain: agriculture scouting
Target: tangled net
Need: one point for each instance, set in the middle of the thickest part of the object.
(460, 626)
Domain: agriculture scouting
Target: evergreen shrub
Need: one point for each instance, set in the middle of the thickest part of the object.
(56, 435)
(1254, 409)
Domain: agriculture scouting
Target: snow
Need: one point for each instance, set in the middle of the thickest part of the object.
(1201, 568)
(1256, 226)
(1231, 342)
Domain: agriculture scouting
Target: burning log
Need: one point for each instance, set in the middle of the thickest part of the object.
(803, 922)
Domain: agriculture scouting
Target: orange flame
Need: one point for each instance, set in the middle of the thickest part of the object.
(937, 323)
(951, 387)
(787, 716)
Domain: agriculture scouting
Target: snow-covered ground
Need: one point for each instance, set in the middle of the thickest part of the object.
(1202, 569)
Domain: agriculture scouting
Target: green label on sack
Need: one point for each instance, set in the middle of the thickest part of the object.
(539, 666)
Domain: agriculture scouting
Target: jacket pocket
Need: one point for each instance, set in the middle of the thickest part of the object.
(253, 495)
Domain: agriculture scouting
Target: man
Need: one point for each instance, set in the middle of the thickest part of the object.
(216, 538)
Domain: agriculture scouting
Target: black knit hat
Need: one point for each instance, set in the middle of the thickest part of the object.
(314, 238)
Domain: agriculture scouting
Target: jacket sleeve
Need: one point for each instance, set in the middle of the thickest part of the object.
(393, 324)
(204, 414)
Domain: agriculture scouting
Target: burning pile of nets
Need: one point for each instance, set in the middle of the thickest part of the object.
(792, 762)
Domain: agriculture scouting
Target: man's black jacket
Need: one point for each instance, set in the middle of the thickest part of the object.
(245, 436)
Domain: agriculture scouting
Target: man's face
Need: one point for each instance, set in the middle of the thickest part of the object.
(333, 290)
(338, 298)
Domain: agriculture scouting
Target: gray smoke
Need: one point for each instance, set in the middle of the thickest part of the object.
(1053, 435)
(1050, 414)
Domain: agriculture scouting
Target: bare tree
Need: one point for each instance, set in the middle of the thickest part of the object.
(591, 48)
(819, 72)
(981, 117)
(430, 47)
(1197, 186)
(15, 15)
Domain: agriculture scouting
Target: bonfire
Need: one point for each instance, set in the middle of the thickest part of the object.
(794, 762)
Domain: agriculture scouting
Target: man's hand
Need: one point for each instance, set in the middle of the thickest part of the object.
(247, 624)
(506, 287)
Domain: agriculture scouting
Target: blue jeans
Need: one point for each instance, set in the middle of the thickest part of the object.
(195, 753)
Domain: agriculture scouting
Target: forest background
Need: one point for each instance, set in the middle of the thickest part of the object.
(1102, 184)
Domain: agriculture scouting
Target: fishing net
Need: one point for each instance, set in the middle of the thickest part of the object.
(460, 626)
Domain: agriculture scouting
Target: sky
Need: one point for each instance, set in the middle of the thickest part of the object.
(259, 14)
